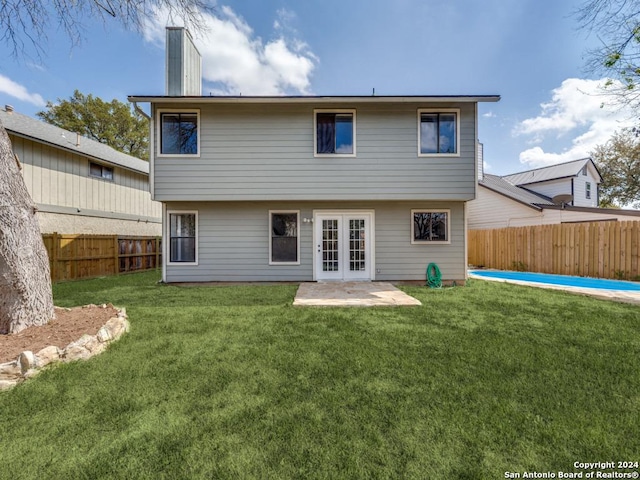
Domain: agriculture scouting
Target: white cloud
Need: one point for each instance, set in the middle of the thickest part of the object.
(285, 20)
(489, 115)
(580, 112)
(235, 61)
(20, 92)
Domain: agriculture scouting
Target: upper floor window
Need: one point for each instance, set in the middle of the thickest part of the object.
(179, 133)
(438, 132)
(335, 132)
(588, 190)
(584, 171)
(101, 171)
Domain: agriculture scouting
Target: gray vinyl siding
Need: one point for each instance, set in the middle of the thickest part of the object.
(265, 152)
(233, 242)
(58, 178)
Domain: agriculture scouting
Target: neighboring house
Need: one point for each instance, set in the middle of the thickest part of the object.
(578, 178)
(80, 185)
(563, 193)
(309, 187)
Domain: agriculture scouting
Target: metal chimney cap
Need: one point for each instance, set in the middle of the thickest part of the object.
(8, 108)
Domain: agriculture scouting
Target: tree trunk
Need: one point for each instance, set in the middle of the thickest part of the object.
(25, 282)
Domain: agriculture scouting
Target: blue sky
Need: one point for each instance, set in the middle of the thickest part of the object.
(530, 52)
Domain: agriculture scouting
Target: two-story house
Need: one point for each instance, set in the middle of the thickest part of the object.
(302, 188)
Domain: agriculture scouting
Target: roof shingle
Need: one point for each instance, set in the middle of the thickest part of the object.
(499, 185)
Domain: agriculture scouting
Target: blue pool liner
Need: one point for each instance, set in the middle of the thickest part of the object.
(564, 280)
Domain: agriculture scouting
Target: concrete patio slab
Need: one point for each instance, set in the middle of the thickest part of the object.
(352, 294)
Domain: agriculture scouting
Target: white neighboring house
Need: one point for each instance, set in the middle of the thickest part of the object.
(562, 193)
(80, 185)
(578, 178)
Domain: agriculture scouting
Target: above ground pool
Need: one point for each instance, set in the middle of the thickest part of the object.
(564, 280)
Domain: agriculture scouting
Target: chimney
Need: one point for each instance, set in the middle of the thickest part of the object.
(8, 108)
(77, 139)
(184, 64)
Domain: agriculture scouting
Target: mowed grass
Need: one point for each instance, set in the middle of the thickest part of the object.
(234, 382)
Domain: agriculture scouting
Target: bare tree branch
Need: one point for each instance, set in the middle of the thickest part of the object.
(24, 23)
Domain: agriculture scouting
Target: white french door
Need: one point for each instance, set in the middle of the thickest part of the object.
(343, 246)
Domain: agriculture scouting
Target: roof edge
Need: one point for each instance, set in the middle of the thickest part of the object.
(314, 99)
(612, 211)
(584, 159)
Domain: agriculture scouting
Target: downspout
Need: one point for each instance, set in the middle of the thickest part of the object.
(151, 191)
(140, 111)
(164, 243)
(151, 140)
(573, 201)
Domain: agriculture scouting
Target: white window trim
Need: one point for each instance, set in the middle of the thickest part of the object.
(315, 132)
(102, 177)
(167, 240)
(439, 110)
(159, 132)
(297, 212)
(587, 190)
(431, 242)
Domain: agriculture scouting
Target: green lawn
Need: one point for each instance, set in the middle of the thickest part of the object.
(234, 382)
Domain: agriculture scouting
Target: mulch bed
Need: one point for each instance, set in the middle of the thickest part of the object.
(68, 326)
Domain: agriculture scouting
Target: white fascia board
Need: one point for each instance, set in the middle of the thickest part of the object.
(319, 99)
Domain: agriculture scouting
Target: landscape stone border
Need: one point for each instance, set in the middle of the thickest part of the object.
(28, 364)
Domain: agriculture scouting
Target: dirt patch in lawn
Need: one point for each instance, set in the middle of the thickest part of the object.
(68, 326)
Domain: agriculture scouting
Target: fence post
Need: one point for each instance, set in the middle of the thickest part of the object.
(157, 251)
(54, 256)
(116, 255)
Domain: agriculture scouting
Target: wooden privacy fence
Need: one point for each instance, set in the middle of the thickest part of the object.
(85, 256)
(596, 249)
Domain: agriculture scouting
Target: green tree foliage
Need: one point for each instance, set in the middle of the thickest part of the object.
(113, 123)
(619, 163)
(616, 23)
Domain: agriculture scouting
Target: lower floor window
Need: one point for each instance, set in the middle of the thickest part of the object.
(284, 235)
(182, 237)
(430, 226)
